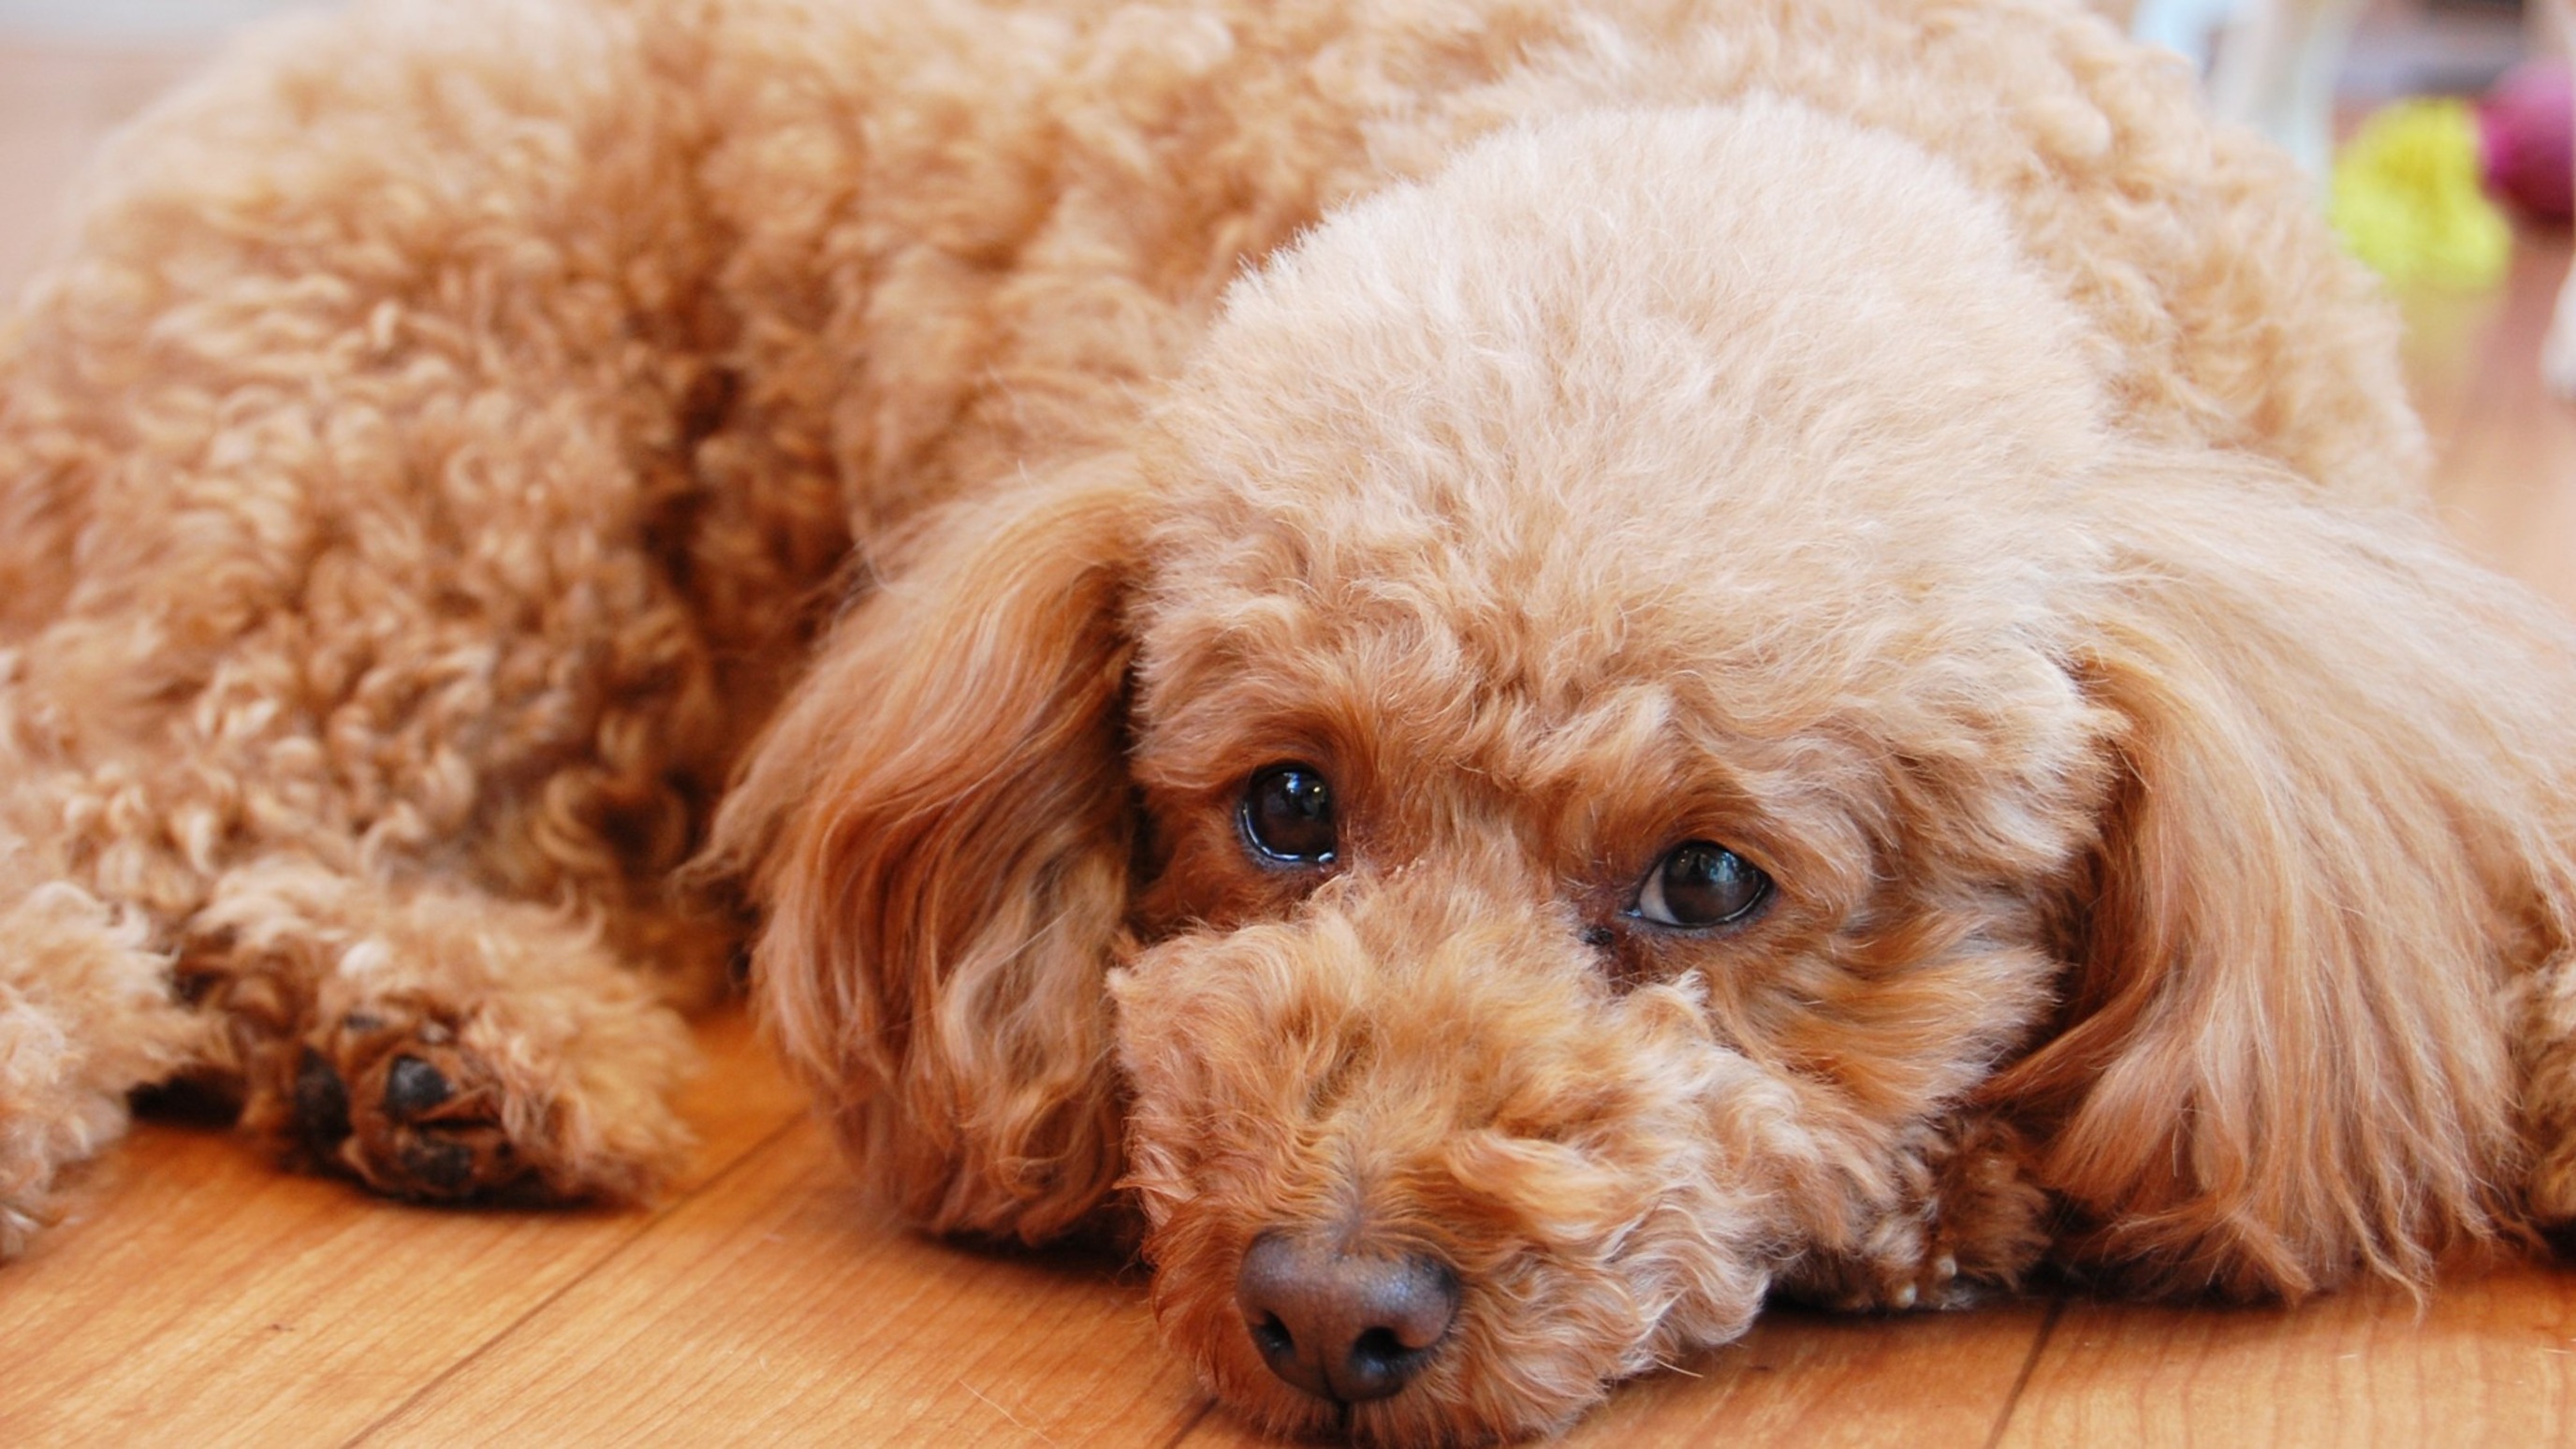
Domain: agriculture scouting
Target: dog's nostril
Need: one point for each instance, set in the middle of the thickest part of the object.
(1379, 1348)
(1339, 1325)
(1273, 1336)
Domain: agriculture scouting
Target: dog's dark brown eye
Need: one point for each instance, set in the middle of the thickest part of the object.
(1288, 815)
(1700, 883)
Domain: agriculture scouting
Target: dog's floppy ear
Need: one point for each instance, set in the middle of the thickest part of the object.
(937, 831)
(2342, 822)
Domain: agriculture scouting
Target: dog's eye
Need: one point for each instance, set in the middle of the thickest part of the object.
(1700, 883)
(1287, 815)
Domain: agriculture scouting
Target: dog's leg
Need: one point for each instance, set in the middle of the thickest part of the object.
(396, 850)
(397, 820)
(390, 612)
(360, 951)
(1970, 1221)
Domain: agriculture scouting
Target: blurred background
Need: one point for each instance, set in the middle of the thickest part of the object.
(133, 20)
(2414, 47)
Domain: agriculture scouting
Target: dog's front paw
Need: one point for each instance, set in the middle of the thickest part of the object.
(439, 1045)
(515, 1097)
(391, 1096)
(439, 1104)
(1975, 1225)
(1904, 1264)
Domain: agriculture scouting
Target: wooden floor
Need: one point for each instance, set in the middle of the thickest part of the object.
(198, 1297)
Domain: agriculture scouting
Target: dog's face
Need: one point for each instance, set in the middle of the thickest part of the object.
(1599, 719)
(1630, 689)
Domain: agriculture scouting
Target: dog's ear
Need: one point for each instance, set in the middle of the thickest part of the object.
(937, 830)
(2341, 823)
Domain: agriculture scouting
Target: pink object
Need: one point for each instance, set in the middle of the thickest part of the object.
(2525, 123)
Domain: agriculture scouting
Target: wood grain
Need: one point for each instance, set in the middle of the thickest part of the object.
(2490, 1360)
(1806, 1378)
(198, 1296)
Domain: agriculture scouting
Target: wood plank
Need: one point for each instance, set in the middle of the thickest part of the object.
(779, 1307)
(1804, 1378)
(2491, 1361)
(201, 1295)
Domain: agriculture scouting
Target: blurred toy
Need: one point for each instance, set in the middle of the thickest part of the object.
(2415, 190)
(2408, 197)
(2524, 129)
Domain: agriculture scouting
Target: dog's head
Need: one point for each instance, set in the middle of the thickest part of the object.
(1612, 701)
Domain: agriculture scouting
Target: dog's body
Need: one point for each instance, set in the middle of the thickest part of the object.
(1796, 648)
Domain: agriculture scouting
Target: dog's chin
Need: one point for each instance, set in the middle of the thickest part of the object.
(1399, 1078)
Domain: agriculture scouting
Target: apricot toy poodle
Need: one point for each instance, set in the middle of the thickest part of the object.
(1503, 673)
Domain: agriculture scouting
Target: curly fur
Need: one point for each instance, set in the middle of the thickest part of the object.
(925, 460)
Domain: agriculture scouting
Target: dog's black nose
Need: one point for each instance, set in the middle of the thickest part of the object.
(1342, 1326)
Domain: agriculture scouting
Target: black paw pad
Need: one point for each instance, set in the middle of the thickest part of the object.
(321, 1103)
(439, 1163)
(413, 1086)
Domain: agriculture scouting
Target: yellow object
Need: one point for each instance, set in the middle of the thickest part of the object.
(2407, 198)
